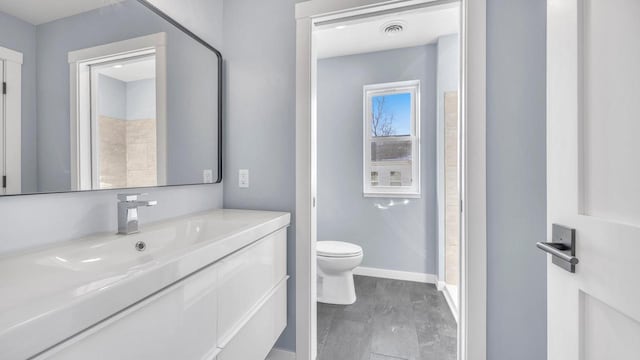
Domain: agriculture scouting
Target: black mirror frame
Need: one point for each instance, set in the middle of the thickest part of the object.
(173, 22)
(180, 27)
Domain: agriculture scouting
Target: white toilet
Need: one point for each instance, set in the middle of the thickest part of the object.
(336, 261)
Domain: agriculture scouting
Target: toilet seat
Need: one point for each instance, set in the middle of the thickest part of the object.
(337, 249)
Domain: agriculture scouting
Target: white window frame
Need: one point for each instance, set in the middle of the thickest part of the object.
(369, 92)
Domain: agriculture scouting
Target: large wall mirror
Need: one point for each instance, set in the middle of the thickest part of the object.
(105, 94)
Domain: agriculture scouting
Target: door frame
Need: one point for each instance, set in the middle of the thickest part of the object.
(94, 84)
(473, 283)
(81, 107)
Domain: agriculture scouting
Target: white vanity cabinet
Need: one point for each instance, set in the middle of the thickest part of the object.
(178, 322)
(251, 318)
(233, 308)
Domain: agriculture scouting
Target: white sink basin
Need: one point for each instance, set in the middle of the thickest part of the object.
(53, 293)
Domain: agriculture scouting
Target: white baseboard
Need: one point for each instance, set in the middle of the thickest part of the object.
(278, 354)
(442, 286)
(396, 274)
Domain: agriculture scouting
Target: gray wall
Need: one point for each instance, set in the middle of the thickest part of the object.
(141, 99)
(36, 220)
(260, 50)
(260, 116)
(112, 97)
(516, 185)
(18, 35)
(133, 100)
(191, 93)
(395, 233)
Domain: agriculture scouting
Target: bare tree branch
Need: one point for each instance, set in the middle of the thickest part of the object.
(382, 122)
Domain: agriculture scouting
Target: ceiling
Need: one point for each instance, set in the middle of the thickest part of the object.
(39, 12)
(131, 71)
(421, 27)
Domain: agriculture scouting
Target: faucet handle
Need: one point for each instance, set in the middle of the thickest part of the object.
(130, 197)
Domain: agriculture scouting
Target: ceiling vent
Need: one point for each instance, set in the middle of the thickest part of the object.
(394, 27)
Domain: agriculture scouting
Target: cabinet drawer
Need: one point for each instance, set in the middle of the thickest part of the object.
(246, 277)
(257, 336)
(179, 322)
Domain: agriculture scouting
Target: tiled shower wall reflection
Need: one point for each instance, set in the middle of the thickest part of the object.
(127, 152)
(452, 198)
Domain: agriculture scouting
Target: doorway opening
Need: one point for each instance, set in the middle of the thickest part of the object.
(314, 15)
(123, 117)
(118, 114)
(387, 137)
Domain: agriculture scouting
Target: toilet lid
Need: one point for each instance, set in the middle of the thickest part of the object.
(337, 249)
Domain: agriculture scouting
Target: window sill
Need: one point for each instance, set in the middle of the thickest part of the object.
(393, 195)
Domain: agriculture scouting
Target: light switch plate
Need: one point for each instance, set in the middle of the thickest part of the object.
(243, 178)
(207, 176)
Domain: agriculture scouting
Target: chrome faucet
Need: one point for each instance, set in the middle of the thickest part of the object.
(128, 205)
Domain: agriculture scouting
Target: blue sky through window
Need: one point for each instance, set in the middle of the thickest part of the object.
(391, 115)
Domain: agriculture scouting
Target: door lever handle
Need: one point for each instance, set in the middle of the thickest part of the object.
(558, 250)
(562, 247)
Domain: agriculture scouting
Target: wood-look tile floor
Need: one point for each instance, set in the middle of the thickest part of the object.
(391, 320)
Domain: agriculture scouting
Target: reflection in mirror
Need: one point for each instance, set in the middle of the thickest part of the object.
(125, 122)
(104, 95)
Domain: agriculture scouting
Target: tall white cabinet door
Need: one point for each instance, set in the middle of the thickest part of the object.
(593, 140)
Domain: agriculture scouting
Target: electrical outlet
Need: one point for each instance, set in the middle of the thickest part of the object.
(207, 176)
(243, 178)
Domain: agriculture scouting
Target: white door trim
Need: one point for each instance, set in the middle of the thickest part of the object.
(11, 153)
(10, 55)
(80, 109)
(472, 329)
(472, 325)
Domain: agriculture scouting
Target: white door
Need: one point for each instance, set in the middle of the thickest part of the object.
(593, 139)
(10, 121)
(3, 189)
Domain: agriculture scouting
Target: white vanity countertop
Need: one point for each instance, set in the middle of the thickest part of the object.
(48, 295)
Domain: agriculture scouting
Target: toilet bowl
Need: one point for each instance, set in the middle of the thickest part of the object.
(336, 261)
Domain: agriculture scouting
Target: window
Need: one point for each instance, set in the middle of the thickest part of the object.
(391, 139)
